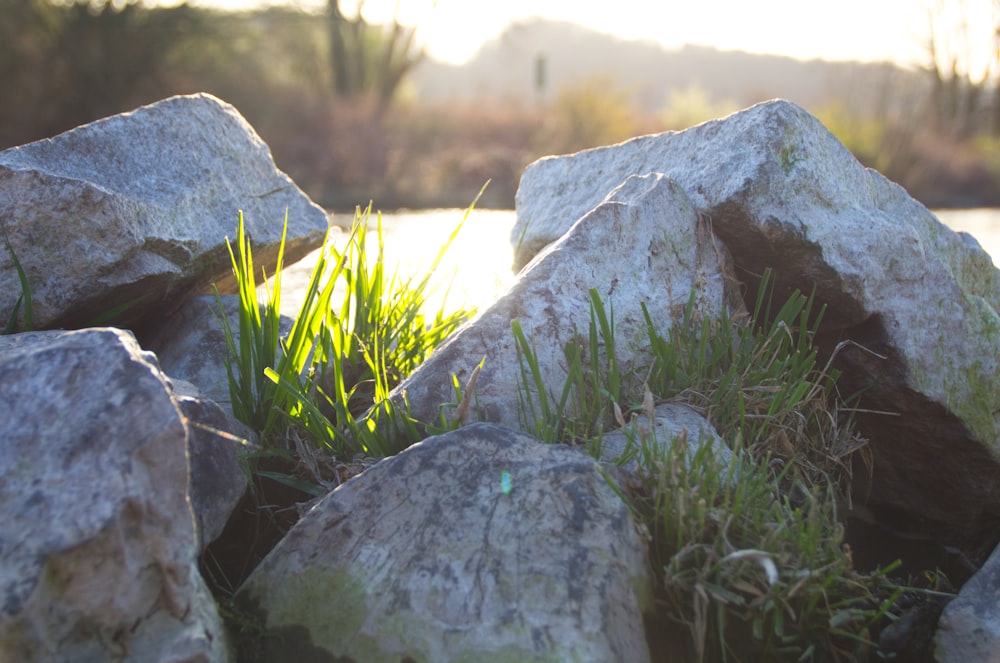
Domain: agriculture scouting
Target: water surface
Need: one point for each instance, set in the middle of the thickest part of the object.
(478, 264)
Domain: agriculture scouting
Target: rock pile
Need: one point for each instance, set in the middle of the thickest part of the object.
(126, 217)
(97, 556)
(911, 306)
(644, 244)
(481, 543)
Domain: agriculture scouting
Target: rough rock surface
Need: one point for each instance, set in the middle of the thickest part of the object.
(481, 544)
(916, 301)
(218, 478)
(97, 552)
(644, 244)
(136, 208)
(191, 346)
(673, 422)
(969, 628)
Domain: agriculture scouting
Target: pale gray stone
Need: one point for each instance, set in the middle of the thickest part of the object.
(915, 302)
(217, 444)
(673, 423)
(136, 208)
(97, 552)
(191, 344)
(969, 628)
(645, 245)
(772, 156)
(481, 544)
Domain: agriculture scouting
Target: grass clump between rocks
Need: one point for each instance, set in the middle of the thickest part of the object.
(314, 393)
(747, 549)
(360, 330)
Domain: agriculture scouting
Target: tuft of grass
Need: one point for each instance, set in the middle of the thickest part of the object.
(252, 393)
(359, 332)
(378, 335)
(747, 551)
(745, 571)
(759, 380)
(593, 386)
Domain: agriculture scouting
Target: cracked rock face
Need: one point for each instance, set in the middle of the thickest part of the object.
(135, 208)
(911, 305)
(97, 553)
(480, 544)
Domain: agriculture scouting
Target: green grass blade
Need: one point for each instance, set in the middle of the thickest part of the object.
(25, 297)
(11, 325)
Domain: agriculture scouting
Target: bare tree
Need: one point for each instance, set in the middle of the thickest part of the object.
(962, 51)
(369, 59)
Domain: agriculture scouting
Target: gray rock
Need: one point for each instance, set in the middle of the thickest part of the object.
(216, 445)
(969, 628)
(673, 422)
(481, 544)
(136, 208)
(97, 553)
(644, 244)
(770, 155)
(915, 301)
(191, 345)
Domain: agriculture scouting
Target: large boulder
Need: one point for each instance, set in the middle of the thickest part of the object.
(97, 552)
(133, 210)
(644, 244)
(481, 544)
(911, 311)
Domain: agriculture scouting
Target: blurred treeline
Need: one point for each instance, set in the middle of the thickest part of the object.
(334, 98)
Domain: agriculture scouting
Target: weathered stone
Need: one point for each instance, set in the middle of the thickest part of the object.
(135, 208)
(672, 424)
(97, 553)
(915, 302)
(218, 477)
(770, 156)
(191, 345)
(481, 544)
(969, 628)
(644, 244)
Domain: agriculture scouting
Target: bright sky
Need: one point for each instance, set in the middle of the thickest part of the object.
(870, 30)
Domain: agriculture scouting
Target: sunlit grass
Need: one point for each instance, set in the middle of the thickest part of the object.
(748, 554)
(359, 331)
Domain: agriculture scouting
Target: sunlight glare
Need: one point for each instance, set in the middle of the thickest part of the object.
(867, 30)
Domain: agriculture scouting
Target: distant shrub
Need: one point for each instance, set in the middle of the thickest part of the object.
(691, 105)
(596, 112)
